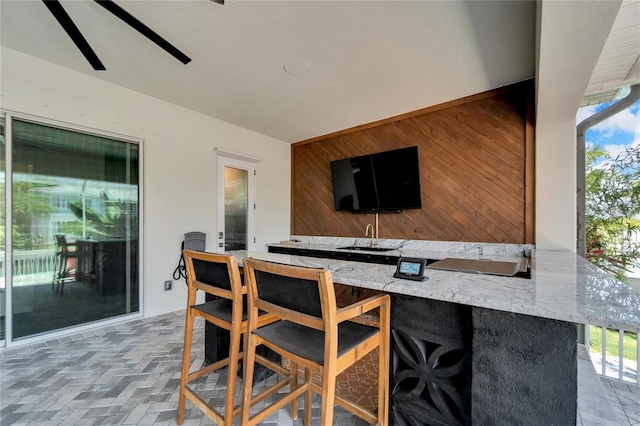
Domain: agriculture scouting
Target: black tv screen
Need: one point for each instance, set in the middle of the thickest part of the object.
(383, 182)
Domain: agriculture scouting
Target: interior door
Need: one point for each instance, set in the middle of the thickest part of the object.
(235, 204)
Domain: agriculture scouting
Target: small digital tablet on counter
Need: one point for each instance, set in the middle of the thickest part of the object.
(411, 268)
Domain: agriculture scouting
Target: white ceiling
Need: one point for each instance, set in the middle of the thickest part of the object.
(366, 60)
(620, 58)
(619, 63)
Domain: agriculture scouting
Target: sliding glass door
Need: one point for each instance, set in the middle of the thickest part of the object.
(3, 289)
(74, 242)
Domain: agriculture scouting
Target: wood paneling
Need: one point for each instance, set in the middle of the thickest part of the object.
(476, 172)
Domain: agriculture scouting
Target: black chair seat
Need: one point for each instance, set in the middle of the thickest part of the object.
(308, 343)
(63, 271)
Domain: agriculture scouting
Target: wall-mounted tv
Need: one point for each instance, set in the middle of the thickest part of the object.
(383, 182)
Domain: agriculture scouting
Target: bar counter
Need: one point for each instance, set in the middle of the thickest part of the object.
(563, 286)
(475, 348)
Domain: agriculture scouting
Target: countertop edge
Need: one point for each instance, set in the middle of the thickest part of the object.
(563, 286)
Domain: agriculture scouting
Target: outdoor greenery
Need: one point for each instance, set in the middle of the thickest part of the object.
(112, 223)
(612, 208)
(30, 203)
(27, 204)
(630, 343)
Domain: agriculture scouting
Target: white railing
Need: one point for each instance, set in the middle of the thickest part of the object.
(615, 366)
(31, 262)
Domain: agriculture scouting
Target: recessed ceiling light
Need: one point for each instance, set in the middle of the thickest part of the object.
(296, 66)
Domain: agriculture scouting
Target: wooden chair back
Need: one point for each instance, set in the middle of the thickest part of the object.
(218, 275)
(214, 273)
(306, 297)
(301, 295)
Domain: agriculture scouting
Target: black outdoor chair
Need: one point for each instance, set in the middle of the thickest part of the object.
(66, 259)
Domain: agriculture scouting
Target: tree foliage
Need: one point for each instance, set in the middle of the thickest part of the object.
(612, 209)
(114, 222)
(28, 204)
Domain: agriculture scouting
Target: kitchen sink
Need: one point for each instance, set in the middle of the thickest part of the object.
(366, 248)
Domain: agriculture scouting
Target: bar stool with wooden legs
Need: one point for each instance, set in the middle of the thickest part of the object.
(218, 275)
(314, 334)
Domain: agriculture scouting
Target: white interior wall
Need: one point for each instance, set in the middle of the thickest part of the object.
(180, 175)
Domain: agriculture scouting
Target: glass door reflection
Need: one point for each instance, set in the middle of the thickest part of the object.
(236, 201)
(75, 228)
(3, 290)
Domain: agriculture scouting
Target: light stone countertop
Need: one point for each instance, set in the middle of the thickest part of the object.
(563, 286)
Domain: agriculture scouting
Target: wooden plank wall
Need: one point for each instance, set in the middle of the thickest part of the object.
(476, 172)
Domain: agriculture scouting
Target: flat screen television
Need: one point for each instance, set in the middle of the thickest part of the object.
(383, 182)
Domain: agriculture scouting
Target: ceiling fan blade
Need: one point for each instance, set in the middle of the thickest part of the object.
(143, 29)
(72, 30)
(218, 1)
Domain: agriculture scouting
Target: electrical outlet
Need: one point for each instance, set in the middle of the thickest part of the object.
(167, 285)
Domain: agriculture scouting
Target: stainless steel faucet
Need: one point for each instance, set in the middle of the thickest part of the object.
(374, 232)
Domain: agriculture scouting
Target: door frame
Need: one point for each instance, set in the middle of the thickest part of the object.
(242, 162)
(9, 115)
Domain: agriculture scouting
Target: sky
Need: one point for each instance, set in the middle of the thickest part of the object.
(617, 132)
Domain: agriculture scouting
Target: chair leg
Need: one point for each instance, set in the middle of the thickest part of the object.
(293, 371)
(247, 382)
(383, 388)
(308, 397)
(384, 358)
(186, 356)
(56, 272)
(328, 394)
(232, 371)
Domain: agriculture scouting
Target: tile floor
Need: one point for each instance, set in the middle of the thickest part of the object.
(128, 374)
(625, 400)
